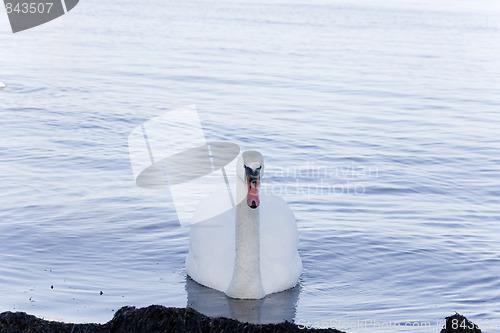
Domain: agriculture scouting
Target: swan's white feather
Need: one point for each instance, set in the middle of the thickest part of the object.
(211, 256)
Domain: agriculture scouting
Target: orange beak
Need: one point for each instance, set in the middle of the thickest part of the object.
(253, 193)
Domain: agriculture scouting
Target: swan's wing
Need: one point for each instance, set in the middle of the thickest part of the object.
(210, 260)
(279, 260)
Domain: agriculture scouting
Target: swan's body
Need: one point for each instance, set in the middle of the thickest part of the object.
(246, 252)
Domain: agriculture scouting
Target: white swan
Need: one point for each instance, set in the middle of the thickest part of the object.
(2, 85)
(250, 251)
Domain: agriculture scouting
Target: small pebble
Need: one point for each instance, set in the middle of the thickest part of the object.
(52, 287)
(101, 293)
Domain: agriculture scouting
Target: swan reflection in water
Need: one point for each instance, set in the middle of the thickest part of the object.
(274, 308)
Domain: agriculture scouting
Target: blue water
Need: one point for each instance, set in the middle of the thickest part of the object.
(379, 123)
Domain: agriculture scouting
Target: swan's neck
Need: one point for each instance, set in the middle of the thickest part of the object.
(246, 281)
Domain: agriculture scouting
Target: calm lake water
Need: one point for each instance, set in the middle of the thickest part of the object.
(379, 123)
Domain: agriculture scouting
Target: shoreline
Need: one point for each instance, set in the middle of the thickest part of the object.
(157, 318)
(154, 318)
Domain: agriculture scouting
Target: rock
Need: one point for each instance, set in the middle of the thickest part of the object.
(17, 322)
(154, 318)
(459, 324)
(160, 319)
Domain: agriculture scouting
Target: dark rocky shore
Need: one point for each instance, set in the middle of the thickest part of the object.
(156, 318)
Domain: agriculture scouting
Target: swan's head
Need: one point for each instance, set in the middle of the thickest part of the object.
(250, 168)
